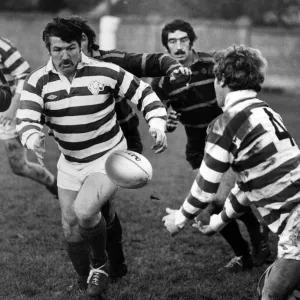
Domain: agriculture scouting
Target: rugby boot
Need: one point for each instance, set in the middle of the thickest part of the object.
(98, 280)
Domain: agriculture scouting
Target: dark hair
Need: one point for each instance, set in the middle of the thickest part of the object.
(87, 30)
(241, 67)
(177, 25)
(65, 29)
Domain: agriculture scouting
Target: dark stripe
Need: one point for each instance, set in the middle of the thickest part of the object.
(98, 71)
(254, 160)
(134, 85)
(77, 146)
(29, 127)
(224, 216)
(257, 131)
(206, 186)
(215, 164)
(289, 192)
(120, 79)
(188, 215)
(82, 128)
(89, 158)
(146, 92)
(16, 65)
(272, 176)
(27, 104)
(196, 202)
(237, 206)
(79, 110)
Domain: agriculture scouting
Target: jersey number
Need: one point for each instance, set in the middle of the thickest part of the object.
(283, 134)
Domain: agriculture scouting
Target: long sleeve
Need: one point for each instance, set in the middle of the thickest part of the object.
(141, 64)
(29, 113)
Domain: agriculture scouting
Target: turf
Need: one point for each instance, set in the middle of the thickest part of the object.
(34, 264)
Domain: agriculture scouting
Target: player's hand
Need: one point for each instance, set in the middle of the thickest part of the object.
(160, 138)
(204, 229)
(169, 222)
(7, 117)
(39, 148)
(172, 120)
(180, 75)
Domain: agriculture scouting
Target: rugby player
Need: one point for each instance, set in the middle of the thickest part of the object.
(250, 138)
(76, 95)
(15, 69)
(195, 106)
(140, 65)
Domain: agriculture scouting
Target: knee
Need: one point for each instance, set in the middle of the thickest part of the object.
(18, 165)
(71, 229)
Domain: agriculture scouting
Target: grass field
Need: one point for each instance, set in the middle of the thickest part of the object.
(34, 264)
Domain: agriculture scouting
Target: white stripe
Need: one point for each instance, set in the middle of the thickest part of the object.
(198, 193)
(86, 80)
(32, 97)
(19, 72)
(150, 98)
(76, 101)
(24, 113)
(128, 77)
(158, 112)
(12, 58)
(4, 45)
(217, 152)
(209, 174)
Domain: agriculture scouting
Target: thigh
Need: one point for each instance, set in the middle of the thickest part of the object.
(281, 280)
(96, 190)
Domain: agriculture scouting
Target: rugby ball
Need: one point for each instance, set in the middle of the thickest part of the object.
(128, 169)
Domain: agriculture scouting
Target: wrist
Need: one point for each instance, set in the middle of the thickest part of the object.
(180, 219)
(158, 123)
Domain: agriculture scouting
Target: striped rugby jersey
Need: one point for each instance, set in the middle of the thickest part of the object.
(81, 115)
(13, 65)
(251, 138)
(140, 65)
(5, 93)
(196, 102)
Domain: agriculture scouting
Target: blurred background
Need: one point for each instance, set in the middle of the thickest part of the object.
(270, 25)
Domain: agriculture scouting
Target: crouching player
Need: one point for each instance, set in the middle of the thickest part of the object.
(5, 94)
(250, 138)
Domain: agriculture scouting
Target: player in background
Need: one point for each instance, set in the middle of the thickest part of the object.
(140, 65)
(250, 138)
(76, 95)
(15, 70)
(5, 94)
(195, 106)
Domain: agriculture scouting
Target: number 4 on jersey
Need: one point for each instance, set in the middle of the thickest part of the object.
(283, 134)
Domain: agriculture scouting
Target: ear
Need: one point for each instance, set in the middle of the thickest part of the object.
(222, 82)
(84, 37)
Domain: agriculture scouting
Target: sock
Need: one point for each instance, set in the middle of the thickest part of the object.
(114, 243)
(79, 256)
(253, 227)
(95, 238)
(231, 233)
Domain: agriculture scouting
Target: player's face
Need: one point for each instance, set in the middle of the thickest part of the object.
(179, 45)
(65, 56)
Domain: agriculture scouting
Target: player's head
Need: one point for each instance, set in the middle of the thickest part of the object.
(178, 39)
(238, 68)
(63, 40)
(88, 41)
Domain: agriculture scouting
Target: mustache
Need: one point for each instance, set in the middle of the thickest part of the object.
(67, 61)
(179, 52)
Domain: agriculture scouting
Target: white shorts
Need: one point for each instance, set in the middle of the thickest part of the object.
(70, 175)
(9, 131)
(289, 239)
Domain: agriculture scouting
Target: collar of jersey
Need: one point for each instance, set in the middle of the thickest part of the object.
(84, 62)
(238, 96)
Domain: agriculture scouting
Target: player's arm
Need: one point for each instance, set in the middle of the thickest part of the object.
(154, 112)
(5, 93)
(29, 117)
(215, 163)
(19, 69)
